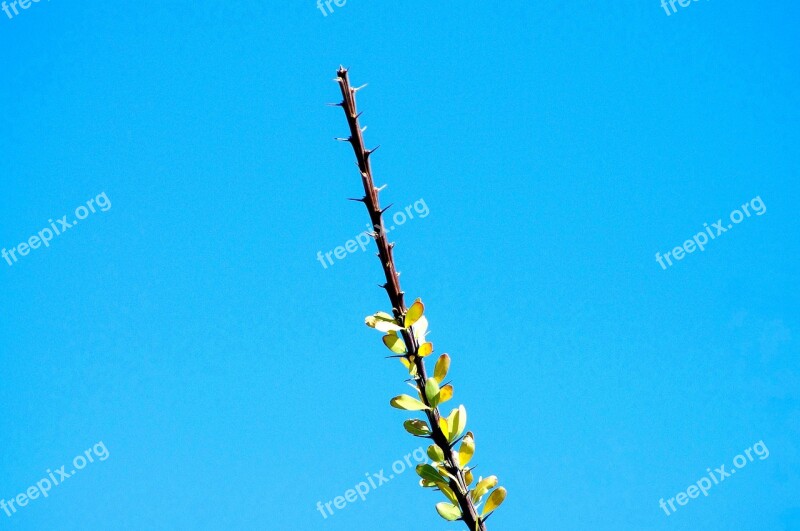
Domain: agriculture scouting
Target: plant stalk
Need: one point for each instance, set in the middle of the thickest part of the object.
(396, 295)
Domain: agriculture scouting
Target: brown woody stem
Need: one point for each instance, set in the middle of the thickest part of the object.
(392, 286)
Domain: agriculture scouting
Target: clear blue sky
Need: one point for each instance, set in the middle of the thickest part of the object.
(558, 146)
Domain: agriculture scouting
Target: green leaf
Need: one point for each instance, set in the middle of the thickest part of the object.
(394, 342)
(407, 403)
(448, 511)
(435, 453)
(382, 321)
(494, 501)
(441, 368)
(432, 392)
(467, 449)
(414, 313)
(426, 471)
(417, 427)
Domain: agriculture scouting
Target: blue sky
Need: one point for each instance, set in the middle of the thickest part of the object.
(557, 148)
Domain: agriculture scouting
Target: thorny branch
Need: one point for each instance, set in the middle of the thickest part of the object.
(392, 286)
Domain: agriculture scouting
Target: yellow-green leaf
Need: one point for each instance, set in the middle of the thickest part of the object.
(412, 368)
(426, 471)
(466, 450)
(435, 453)
(494, 500)
(445, 393)
(432, 392)
(382, 321)
(484, 485)
(414, 313)
(468, 477)
(447, 491)
(448, 511)
(425, 349)
(441, 368)
(407, 403)
(457, 423)
(416, 427)
(444, 427)
(394, 342)
(443, 471)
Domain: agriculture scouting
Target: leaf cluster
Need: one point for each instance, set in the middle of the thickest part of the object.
(449, 472)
